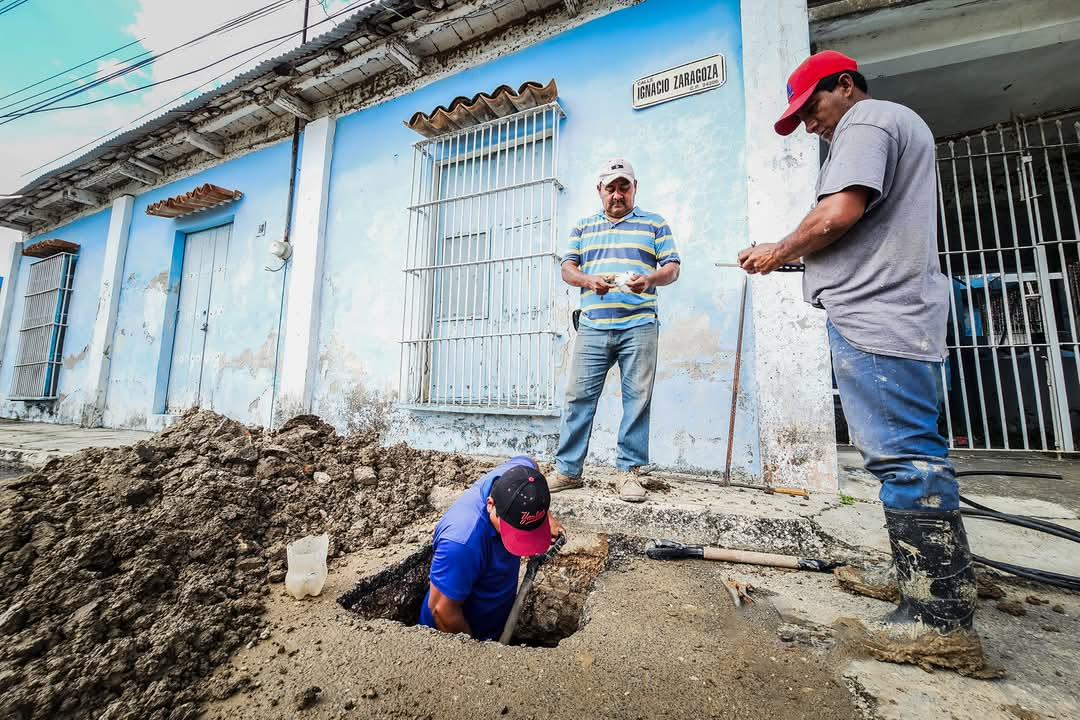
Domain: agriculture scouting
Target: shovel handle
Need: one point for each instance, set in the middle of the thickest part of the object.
(751, 558)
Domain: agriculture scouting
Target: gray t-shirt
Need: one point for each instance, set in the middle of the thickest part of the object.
(881, 283)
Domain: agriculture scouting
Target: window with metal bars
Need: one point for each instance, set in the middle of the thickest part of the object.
(41, 334)
(481, 262)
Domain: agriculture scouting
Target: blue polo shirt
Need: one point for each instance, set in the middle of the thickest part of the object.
(638, 242)
(470, 563)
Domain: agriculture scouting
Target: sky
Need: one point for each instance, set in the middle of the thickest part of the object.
(40, 38)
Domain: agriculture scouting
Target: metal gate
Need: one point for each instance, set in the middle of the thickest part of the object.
(199, 334)
(1009, 239)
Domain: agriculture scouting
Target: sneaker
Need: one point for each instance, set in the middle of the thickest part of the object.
(564, 482)
(629, 487)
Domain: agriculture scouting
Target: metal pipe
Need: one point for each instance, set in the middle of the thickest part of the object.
(735, 379)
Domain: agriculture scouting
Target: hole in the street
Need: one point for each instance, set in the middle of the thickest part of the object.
(552, 611)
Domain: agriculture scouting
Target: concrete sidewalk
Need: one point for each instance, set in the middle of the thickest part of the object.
(25, 445)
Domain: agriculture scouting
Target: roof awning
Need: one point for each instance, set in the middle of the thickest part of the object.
(465, 112)
(201, 198)
(48, 248)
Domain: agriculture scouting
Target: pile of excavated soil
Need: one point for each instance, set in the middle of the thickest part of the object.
(127, 574)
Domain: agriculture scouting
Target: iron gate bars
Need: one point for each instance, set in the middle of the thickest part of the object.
(1009, 243)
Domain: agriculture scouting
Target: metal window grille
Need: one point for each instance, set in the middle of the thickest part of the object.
(479, 320)
(41, 335)
(1009, 238)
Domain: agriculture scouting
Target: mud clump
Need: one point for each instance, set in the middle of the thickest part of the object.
(128, 574)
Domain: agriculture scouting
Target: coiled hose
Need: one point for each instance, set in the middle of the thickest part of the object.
(975, 510)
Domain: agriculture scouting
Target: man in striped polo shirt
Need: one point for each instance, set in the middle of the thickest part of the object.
(618, 257)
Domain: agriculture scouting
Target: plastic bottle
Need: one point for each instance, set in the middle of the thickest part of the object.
(306, 572)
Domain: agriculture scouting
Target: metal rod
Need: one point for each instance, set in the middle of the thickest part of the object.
(735, 379)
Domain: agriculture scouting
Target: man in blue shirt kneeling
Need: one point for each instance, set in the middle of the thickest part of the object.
(478, 546)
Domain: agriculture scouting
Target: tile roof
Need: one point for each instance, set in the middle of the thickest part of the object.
(48, 248)
(465, 112)
(201, 198)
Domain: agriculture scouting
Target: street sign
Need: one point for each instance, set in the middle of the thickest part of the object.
(690, 79)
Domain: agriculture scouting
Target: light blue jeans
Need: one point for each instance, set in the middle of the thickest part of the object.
(891, 408)
(595, 351)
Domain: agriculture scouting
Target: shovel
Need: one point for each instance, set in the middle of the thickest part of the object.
(526, 584)
(671, 550)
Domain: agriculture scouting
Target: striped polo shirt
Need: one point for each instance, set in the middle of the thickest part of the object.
(638, 242)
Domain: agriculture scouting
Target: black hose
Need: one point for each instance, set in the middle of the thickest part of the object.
(977, 510)
(1009, 473)
(1025, 522)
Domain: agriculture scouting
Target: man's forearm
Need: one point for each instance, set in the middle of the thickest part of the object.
(572, 275)
(665, 275)
(825, 224)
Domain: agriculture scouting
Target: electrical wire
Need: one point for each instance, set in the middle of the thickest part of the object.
(977, 510)
(159, 107)
(228, 26)
(14, 4)
(48, 107)
(65, 71)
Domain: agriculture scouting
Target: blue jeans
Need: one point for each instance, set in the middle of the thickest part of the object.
(595, 351)
(891, 407)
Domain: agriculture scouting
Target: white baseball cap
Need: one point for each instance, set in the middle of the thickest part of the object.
(617, 168)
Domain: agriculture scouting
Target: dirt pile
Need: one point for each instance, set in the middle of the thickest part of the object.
(127, 574)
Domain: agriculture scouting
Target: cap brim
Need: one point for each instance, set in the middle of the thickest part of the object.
(789, 121)
(615, 176)
(526, 542)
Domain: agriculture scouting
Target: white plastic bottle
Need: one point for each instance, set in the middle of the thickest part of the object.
(306, 572)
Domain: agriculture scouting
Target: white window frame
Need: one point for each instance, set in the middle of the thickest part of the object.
(494, 185)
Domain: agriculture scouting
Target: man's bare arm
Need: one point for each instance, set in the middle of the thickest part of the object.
(664, 276)
(833, 216)
(449, 614)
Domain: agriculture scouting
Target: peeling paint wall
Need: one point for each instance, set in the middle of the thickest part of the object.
(237, 375)
(689, 157)
(74, 379)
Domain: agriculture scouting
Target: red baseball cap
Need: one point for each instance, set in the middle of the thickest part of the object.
(521, 501)
(803, 82)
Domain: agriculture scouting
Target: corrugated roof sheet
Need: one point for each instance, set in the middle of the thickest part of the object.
(201, 198)
(465, 112)
(48, 248)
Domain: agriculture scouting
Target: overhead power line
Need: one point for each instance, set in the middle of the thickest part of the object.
(142, 60)
(170, 102)
(151, 112)
(33, 85)
(12, 5)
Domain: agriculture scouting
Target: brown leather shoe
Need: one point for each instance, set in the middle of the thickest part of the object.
(564, 482)
(629, 487)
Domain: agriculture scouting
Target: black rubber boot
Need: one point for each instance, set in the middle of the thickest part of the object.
(933, 569)
(932, 626)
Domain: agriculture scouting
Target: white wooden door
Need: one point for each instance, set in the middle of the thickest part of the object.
(198, 318)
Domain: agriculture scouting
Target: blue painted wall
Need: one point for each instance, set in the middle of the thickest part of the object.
(689, 157)
(239, 375)
(89, 233)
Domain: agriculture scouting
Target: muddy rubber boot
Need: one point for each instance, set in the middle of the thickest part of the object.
(932, 627)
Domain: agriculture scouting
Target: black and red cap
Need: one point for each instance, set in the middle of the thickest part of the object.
(521, 501)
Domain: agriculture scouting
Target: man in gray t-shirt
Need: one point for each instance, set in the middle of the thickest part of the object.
(870, 249)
